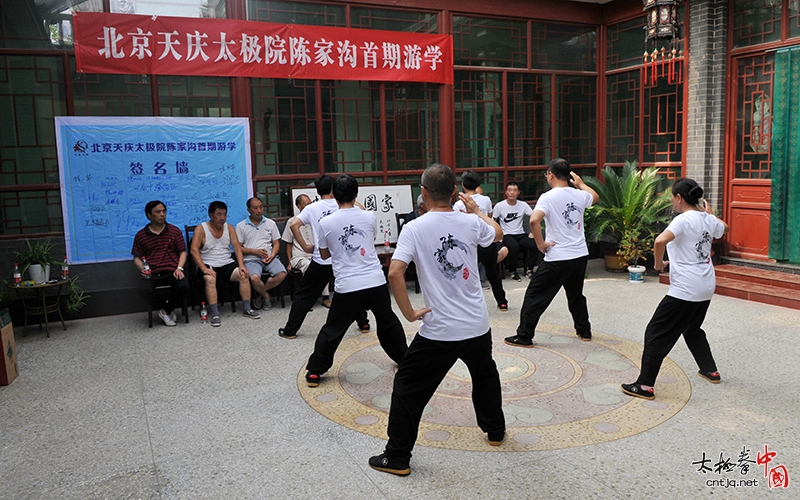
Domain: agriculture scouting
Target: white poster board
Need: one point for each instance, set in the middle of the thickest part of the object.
(384, 201)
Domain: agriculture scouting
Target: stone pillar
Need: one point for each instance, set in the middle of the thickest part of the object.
(705, 134)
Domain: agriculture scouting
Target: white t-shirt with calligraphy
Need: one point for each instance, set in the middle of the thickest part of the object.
(563, 209)
(312, 214)
(511, 217)
(444, 247)
(483, 201)
(349, 235)
(691, 273)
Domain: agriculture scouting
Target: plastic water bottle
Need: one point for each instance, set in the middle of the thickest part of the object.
(203, 313)
(145, 268)
(17, 275)
(386, 241)
(65, 269)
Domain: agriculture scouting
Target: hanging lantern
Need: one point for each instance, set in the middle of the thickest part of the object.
(661, 22)
(662, 19)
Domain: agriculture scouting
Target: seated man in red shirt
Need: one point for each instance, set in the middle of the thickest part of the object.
(162, 245)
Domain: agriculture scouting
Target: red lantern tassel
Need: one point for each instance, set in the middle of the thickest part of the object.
(654, 67)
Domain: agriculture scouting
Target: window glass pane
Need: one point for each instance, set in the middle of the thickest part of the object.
(295, 13)
(28, 212)
(111, 95)
(277, 195)
(622, 117)
(207, 96)
(663, 119)
(40, 25)
(794, 18)
(625, 44)
(180, 8)
(559, 46)
(31, 96)
(478, 114)
(489, 42)
(349, 141)
(284, 127)
(576, 122)
(756, 21)
(531, 184)
(529, 109)
(394, 20)
(753, 117)
(412, 125)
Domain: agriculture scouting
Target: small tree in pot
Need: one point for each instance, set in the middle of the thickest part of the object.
(630, 211)
(39, 253)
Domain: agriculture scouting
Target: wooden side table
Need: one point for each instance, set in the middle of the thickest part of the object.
(38, 303)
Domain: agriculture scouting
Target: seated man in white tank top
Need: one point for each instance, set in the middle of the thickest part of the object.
(211, 251)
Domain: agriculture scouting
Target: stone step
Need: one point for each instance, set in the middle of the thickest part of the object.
(766, 287)
(759, 276)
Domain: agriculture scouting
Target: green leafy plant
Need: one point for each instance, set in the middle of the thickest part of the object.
(630, 211)
(40, 252)
(75, 296)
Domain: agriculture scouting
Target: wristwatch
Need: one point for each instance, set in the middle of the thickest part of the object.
(180, 268)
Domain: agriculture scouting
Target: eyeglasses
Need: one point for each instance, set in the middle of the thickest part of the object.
(545, 173)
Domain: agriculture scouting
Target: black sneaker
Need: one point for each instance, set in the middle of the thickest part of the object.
(312, 379)
(503, 306)
(364, 328)
(496, 438)
(516, 277)
(519, 341)
(385, 464)
(586, 337)
(636, 391)
(257, 302)
(285, 335)
(712, 377)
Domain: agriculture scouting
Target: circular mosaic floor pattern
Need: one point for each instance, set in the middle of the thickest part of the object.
(560, 394)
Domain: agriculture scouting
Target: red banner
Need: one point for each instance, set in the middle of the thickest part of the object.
(133, 44)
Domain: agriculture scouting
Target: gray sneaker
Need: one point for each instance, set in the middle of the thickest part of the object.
(215, 321)
(252, 314)
(267, 305)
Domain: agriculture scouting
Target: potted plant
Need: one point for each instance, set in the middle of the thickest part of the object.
(629, 214)
(37, 259)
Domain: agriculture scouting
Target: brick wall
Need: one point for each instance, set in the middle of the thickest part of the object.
(706, 111)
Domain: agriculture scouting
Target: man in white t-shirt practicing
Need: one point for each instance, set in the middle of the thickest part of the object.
(470, 181)
(261, 242)
(298, 258)
(348, 239)
(565, 253)
(510, 213)
(455, 324)
(320, 271)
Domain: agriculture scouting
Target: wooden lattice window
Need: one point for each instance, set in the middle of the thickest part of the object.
(753, 119)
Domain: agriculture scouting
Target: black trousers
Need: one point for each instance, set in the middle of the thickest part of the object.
(345, 307)
(167, 300)
(673, 318)
(423, 368)
(545, 283)
(488, 257)
(311, 286)
(513, 242)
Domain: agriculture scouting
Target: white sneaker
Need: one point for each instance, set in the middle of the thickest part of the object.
(174, 317)
(166, 318)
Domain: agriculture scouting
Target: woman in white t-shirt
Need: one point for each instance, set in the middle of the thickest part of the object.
(687, 241)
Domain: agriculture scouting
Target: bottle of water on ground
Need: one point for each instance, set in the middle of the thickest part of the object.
(203, 313)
